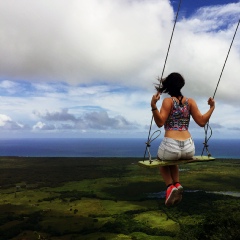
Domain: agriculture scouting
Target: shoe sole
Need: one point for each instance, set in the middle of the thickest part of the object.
(180, 190)
(172, 198)
(179, 196)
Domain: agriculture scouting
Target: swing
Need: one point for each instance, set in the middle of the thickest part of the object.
(153, 163)
(157, 162)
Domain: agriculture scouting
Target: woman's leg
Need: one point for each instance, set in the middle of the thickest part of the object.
(172, 191)
(174, 173)
(170, 174)
(166, 175)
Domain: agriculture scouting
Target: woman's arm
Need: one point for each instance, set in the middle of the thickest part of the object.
(161, 116)
(201, 119)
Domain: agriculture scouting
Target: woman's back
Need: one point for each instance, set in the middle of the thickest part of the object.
(179, 117)
(177, 123)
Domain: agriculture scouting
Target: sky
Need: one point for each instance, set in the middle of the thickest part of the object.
(76, 68)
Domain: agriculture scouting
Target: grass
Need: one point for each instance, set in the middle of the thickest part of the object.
(76, 198)
(157, 219)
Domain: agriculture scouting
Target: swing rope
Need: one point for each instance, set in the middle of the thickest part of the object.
(207, 126)
(150, 137)
(226, 57)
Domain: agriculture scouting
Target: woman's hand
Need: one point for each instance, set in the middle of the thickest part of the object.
(211, 102)
(155, 98)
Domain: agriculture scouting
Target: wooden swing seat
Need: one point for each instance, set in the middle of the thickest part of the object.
(158, 163)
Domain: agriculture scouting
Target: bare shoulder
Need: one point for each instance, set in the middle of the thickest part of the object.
(167, 104)
(192, 105)
(167, 101)
(191, 101)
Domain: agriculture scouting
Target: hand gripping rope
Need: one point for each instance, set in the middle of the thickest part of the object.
(205, 143)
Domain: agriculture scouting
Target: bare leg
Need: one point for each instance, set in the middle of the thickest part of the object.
(166, 175)
(175, 173)
(170, 174)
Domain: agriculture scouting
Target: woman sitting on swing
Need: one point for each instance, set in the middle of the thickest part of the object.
(177, 143)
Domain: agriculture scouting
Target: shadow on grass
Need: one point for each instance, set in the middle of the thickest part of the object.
(134, 191)
(215, 182)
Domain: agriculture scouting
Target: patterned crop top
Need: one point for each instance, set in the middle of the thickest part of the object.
(179, 117)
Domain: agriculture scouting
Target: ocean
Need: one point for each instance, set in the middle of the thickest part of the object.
(105, 147)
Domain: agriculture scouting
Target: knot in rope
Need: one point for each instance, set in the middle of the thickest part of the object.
(205, 143)
(148, 144)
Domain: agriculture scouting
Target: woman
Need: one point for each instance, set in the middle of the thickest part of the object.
(177, 143)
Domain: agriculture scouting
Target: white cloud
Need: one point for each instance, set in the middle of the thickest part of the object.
(116, 41)
(82, 40)
(99, 59)
(217, 18)
(91, 120)
(39, 125)
(6, 123)
(4, 119)
(10, 86)
(63, 115)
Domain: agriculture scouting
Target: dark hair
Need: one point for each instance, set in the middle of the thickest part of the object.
(172, 85)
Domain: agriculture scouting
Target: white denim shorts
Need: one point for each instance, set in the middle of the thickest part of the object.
(171, 149)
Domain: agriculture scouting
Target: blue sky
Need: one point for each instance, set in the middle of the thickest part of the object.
(86, 68)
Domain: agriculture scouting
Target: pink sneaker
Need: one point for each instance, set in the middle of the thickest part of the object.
(179, 187)
(171, 195)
